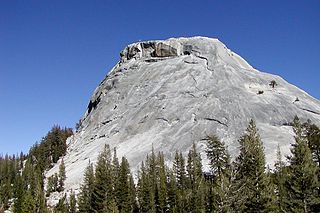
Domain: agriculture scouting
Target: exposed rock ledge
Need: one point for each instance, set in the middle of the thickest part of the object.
(201, 47)
(149, 49)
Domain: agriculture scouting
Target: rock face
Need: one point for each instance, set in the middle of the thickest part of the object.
(170, 94)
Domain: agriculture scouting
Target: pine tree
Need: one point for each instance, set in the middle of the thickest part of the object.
(55, 182)
(279, 180)
(179, 170)
(219, 157)
(151, 165)
(125, 203)
(133, 194)
(39, 196)
(50, 186)
(61, 176)
(194, 167)
(103, 188)
(313, 136)
(179, 184)
(220, 164)
(301, 181)
(19, 194)
(61, 206)
(196, 197)
(115, 176)
(161, 195)
(73, 203)
(252, 185)
(85, 197)
(145, 190)
(28, 204)
(110, 207)
(6, 193)
(172, 191)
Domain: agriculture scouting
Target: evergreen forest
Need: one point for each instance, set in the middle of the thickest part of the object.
(242, 184)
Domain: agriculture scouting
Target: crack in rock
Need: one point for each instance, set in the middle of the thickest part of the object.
(304, 109)
(216, 120)
(311, 111)
(207, 62)
(164, 119)
(156, 59)
(196, 82)
(190, 93)
(190, 62)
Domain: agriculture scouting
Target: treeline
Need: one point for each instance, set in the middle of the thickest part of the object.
(22, 177)
(51, 147)
(245, 185)
(9, 167)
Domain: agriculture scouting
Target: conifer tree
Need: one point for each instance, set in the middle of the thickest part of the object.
(312, 133)
(133, 194)
(180, 185)
(179, 170)
(151, 165)
(55, 182)
(279, 179)
(115, 165)
(145, 190)
(110, 206)
(39, 196)
(219, 157)
(301, 181)
(252, 184)
(313, 136)
(115, 176)
(61, 176)
(6, 193)
(196, 198)
(172, 191)
(28, 204)
(72, 203)
(19, 194)
(85, 197)
(194, 167)
(62, 206)
(220, 164)
(125, 202)
(103, 188)
(161, 191)
(50, 186)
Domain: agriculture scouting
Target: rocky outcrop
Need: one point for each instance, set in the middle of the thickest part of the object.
(150, 49)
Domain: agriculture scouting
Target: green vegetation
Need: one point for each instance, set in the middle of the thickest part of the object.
(22, 177)
(245, 185)
(242, 186)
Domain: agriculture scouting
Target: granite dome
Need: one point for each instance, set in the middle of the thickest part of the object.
(172, 93)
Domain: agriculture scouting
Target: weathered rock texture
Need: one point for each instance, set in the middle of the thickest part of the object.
(170, 94)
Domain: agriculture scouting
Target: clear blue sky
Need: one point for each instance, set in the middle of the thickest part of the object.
(53, 54)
